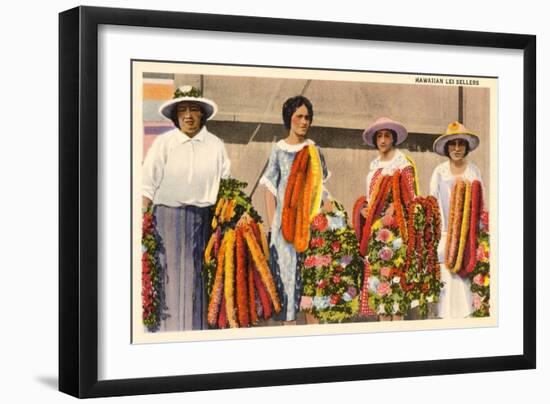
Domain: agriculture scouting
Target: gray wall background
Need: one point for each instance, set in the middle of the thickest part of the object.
(249, 121)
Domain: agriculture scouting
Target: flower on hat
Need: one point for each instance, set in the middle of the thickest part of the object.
(187, 91)
(454, 126)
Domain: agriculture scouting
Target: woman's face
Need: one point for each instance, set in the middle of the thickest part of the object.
(189, 117)
(300, 121)
(384, 140)
(457, 149)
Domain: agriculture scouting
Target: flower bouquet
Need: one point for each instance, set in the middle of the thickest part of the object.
(383, 240)
(386, 258)
(332, 267)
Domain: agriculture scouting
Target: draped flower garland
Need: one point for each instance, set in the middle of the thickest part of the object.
(332, 267)
(468, 242)
(480, 275)
(239, 283)
(478, 267)
(152, 294)
(464, 217)
(383, 241)
(421, 273)
(302, 197)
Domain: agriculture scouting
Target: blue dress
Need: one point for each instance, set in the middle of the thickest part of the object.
(285, 261)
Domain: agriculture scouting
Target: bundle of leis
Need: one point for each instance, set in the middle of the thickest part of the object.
(302, 197)
(480, 276)
(402, 185)
(421, 274)
(465, 210)
(152, 295)
(240, 285)
(231, 204)
(332, 267)
(383, 240)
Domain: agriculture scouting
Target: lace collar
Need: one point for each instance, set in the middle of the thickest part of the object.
(293, 147)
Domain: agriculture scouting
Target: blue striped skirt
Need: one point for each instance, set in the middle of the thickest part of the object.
(184, 233)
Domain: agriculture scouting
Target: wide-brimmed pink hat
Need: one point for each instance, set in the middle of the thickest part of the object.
(455, 130)
(388, 124)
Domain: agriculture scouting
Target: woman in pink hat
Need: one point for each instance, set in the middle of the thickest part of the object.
(379, 220)
(456, 143)
(385, 134)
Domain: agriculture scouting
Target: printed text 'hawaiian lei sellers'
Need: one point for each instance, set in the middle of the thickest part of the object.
(446, 80)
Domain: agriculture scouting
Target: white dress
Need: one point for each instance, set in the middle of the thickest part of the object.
(455, 299)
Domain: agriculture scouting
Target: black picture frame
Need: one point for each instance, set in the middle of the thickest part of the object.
(78, 200)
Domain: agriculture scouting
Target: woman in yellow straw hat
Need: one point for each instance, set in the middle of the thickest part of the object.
(456, 143)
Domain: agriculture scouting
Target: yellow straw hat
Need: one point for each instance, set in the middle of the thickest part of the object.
(455, 130)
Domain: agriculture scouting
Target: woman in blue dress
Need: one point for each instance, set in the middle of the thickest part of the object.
(285, 261)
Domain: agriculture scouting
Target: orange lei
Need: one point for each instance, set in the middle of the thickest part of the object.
(217, 288)
(454, 225)
(301, 239)
(374, 199)
(302, 197)
(251, 293)
(450, 222)
(384, 197)
(209, 247)
(357, 218)
(242, 290)
(464, 227)
(229, 288)
(261, 265)
(288, 219)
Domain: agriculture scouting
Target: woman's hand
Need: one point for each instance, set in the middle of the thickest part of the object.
(306, 303)
(328, 206)
(245, 219)
(145, 203)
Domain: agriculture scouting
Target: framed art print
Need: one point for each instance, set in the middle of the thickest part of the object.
(251, 201)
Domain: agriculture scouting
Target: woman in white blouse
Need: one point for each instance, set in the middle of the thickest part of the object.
(181, 177)
(455, 300)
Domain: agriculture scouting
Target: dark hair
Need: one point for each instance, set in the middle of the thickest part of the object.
(446, 148)
(292, 104)
(175, 114)
(393, 136)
